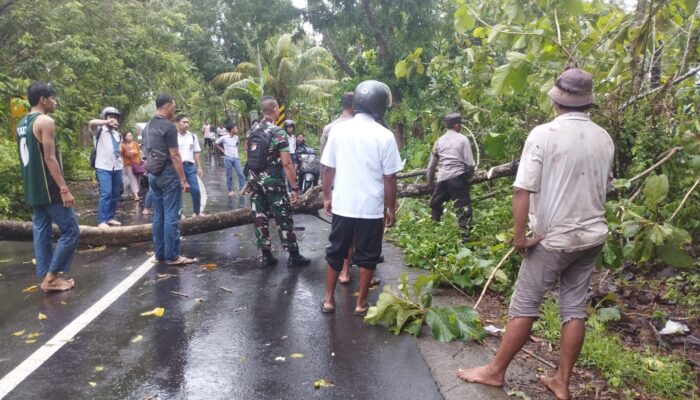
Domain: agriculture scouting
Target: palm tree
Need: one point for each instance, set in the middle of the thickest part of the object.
(284, 69)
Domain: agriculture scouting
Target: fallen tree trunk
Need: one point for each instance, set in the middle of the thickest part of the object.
(310, 203)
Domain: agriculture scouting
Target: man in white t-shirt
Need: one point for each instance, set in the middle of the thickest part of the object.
(189, 152)
(208, 136)
(108, 164)
(228, 145)
(361, 159)
(562, 180)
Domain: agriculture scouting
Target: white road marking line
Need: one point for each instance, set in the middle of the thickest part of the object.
(22, 371)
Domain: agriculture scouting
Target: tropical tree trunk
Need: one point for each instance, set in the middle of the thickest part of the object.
(310, 203)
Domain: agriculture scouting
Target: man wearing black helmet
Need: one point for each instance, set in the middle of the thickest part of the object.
(108, 164)
(359, 189)
(454, 155)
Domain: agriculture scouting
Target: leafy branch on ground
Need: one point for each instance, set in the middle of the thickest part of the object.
(407, 311)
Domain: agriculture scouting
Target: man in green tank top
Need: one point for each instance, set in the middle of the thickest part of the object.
(45, 189)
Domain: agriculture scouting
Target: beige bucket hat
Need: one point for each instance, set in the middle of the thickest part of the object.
(573, 88)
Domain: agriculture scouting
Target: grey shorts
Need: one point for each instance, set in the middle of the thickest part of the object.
(542, 269)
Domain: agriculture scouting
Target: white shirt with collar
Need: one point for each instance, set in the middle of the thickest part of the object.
(188, 144)
(567, 164)
(105, 157)
(362, 153)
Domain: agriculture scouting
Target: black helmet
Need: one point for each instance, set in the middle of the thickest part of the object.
(109, 111)
(288, 123)
(372, 97)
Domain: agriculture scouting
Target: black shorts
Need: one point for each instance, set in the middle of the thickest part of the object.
(367, 236)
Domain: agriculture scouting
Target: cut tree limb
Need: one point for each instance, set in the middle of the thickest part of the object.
(310, 203)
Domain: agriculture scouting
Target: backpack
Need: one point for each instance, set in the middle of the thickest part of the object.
(257, 145)
(93, 154)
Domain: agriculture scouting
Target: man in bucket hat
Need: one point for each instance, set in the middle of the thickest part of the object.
(562, 180)
(454, 155)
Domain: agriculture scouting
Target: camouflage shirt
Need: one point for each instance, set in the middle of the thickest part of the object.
(274, 172)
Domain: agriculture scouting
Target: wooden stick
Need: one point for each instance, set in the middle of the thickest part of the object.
(493, 273)
(660, 162)
(540, 359)
(684, 200)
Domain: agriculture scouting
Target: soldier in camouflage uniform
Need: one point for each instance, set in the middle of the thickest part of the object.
(269, 192)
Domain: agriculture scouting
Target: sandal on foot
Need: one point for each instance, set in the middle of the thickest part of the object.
(181, 260)
(327, 310)
(344, 282)
(375, 282)
(361, 312)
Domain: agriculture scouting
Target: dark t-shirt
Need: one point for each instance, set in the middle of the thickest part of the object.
(161, 135)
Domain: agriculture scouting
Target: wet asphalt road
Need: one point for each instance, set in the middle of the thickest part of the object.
(228, 333)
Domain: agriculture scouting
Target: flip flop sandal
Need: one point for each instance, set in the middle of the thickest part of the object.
(362, 312)
(327, 310)
(375, 282)
(344, 282)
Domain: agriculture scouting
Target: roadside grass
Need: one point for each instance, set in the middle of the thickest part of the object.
(631, 372)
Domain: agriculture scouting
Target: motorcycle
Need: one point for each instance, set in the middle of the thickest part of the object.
(309, 170)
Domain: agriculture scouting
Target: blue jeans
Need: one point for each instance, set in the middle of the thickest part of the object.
(191, 175)
(110, 188)
(232, 163)
(148, 203)
(167, 204)
(49, 260)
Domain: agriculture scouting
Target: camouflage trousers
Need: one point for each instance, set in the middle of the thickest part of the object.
(272, 200)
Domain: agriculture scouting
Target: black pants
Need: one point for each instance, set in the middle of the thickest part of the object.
(456, 189)
(364, 234)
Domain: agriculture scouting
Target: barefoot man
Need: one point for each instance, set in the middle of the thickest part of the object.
(562, 179)
(45, 190)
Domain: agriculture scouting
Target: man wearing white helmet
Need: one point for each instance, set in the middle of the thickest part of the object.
(108, 164)
(361, 160)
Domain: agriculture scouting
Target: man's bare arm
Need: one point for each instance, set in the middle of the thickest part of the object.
(177, 163)
(390, 199)
(288, 168)
(45, 132)
(521, 207)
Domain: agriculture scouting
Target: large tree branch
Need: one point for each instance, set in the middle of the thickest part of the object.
(381, 42)
(328, 41)
(310, 203)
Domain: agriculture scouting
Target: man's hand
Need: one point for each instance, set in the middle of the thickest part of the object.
(67, 198)
(389, 217)
(112, 123)
(200, 173)
(293, 197)
(185, 186)
(522, 244)
(328, 207)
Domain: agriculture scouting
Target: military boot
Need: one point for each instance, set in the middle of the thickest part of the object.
(297, 260)
(267, 260)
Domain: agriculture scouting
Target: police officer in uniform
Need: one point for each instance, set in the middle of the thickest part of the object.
(453, 154)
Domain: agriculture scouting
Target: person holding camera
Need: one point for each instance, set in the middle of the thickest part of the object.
(108, 164)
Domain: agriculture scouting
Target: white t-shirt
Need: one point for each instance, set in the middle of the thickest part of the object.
(188, 144)
(230, 145)
(106, 158)
(362, 153)
(206, 131)
(567, 163)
